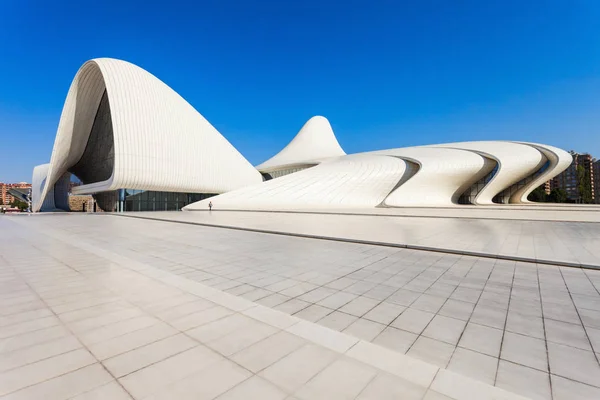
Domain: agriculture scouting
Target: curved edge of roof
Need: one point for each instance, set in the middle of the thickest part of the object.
(559, 161)
(312, 144)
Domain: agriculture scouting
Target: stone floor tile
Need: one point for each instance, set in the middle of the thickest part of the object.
(359, 306)
(337, 320)
(590, 318)
(566, 389)
(343, 379)
(200, 318)
(111, 331)
(68, 386)
(474, 365)
(461, 387)
(524, 350)
(111, 390)
(205, 384)
(594, 335)
(32, 354)
(323, 336)
(341, 283)
(445, 329)
(292, 306)
(130, 341)
(482, 339)
(337, 300)
(525, 325)
(395, 339)
(560, 312)
(254, 388)
(572, 363)
(240, 339)
(489, 316)
(568, 334)
(30, 374)
(313, 313)
(273, 300)
(220, 327)
(268, 351)
(388, 387)
(429, 303)
(403, 297)
(317, 295)
(431, 351)
(433, 395)
(364, 329)
(24, 327)
(457, 309)
(384, 313)
(524, 381)
(400, 365)
(413, 320)
(160, 375)
(466, 294)
(142, 357)
(298, 289)
(297, 368)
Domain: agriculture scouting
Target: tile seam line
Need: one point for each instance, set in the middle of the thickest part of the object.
(375, 243)
(396, 215)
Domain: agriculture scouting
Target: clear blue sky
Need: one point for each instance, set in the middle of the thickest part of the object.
(385, 73)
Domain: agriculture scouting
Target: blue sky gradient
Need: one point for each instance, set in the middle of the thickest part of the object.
(385, 73)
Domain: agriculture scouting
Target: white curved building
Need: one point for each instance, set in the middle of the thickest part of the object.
(135, 144)
(122, 128)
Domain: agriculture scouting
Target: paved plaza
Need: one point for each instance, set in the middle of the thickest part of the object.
(561, 242)
(117, 307)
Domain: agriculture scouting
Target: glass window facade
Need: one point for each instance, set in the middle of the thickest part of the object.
(150, 200)
(504, 196)
(469, 196)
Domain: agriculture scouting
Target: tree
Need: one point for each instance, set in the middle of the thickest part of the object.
(21, 205)
(538, 195)
(557, 195)
(584, 184)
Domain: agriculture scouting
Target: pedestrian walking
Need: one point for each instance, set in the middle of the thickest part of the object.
(210, 206)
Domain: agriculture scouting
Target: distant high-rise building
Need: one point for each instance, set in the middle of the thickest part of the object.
(568, 179)
(596, 179)
(4, 187)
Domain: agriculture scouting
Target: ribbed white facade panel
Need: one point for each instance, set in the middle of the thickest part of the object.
(160, 141)
(515, 162)
(354, 181)
(558, 159)
(57, 196)
(314, 143)
(443, 175)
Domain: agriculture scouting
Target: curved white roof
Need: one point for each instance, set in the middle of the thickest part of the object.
(314, 143)
(443, 175)
(160, 141)
(558, 159)
(515, 162)
(354, 181)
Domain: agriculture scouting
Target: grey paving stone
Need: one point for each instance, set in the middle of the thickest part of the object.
(482, 339)
(523, 380)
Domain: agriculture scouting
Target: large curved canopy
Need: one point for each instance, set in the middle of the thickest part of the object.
(121, 127)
